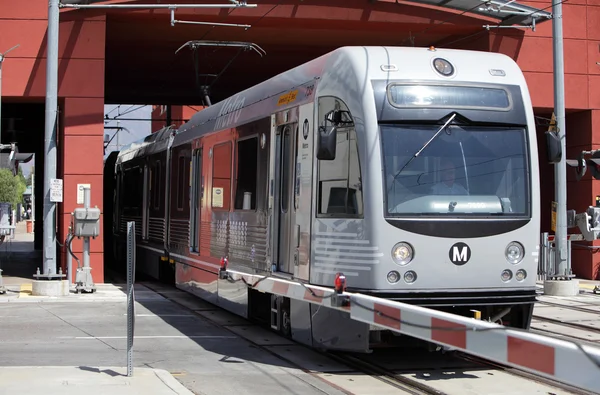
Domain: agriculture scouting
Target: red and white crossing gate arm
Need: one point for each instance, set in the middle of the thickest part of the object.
(560, 360)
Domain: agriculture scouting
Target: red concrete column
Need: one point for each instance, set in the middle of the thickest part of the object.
(82, 148)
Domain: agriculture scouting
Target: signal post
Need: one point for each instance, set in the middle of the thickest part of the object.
(562, 281)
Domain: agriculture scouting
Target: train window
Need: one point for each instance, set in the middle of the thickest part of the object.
(442, 96)
(340, 189)
(483, 170)
(180, 182)
(132, 189)
(156, 185)
(221, 177)
(246, 174)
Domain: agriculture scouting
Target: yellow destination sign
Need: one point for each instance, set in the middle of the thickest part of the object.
(287, 98)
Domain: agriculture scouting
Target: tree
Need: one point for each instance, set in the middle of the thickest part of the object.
(30, 176)
(11, 189)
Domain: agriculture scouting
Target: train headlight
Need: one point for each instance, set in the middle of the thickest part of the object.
(393, 277)
(521, 275)
(506, 275)
(410, 277)
(443, 67)
(402, 253)
(514, 252)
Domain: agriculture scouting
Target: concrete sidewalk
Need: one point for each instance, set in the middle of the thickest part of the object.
(68, 380)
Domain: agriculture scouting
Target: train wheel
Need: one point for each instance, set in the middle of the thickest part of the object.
(286, 322)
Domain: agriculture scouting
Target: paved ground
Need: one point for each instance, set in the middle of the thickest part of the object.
(78, 380)
(225, 356)
(206, 349)
(90, 330)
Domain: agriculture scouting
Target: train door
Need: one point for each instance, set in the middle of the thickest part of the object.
(303, 190)
(196, 199)
(145, 205)
(284, 207)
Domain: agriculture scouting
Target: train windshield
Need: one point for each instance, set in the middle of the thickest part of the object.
(455, 171)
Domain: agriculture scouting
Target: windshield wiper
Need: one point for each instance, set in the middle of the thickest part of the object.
(423, 147)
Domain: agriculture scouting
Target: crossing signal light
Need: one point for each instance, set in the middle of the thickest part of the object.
(10, 157)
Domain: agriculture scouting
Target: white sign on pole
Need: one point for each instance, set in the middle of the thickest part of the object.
(80, 192)
(56, 190)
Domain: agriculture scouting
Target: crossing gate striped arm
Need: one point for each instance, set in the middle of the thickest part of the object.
(565, 361)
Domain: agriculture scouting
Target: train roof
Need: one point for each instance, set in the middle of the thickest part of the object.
(288, 89)
(148, 144)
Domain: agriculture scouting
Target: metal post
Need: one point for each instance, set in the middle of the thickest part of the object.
(560, 169)
(86, 240)
(130, 295)
(69, 258)
(561, 282)
(32, 219)
(50, 138)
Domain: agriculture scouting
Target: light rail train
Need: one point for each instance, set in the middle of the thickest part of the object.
(413, 171)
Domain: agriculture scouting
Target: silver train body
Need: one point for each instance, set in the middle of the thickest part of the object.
(412, 171)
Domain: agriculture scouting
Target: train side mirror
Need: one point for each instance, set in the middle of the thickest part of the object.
(553, 147)
(326, 143)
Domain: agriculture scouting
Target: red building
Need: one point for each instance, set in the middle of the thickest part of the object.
(117, 56)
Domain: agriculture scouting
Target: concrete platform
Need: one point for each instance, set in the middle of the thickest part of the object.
(77, 380)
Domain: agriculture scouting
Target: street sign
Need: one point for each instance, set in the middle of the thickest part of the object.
(56, 190)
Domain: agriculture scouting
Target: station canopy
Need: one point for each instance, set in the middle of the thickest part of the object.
(507, 13)
(145, 61)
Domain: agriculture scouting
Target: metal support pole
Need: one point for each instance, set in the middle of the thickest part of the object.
(560, 169)
(50, 138)
(69, 258)
(86, 240)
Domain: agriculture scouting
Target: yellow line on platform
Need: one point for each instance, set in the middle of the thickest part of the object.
(25, 290)
(587, 286)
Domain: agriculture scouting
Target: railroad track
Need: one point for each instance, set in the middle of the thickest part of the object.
(576, 308)
(524, 374)
(353, 363)
(360, 364)
(573, 325)
(387, 376)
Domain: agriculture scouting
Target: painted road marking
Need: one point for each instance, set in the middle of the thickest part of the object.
(25, 290)
(148, 337)
(164, 315)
